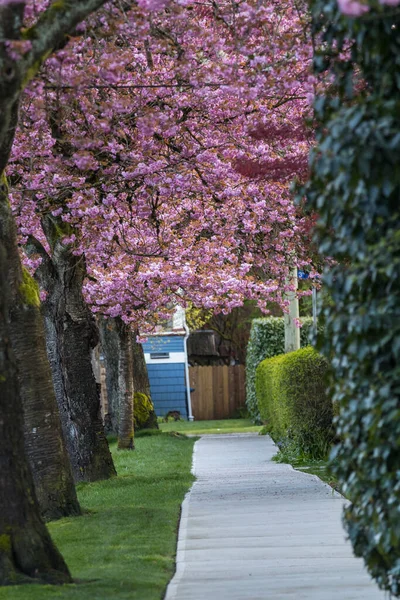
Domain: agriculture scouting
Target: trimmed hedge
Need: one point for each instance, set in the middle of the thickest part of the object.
(267, 339)
(293, 402)
(355, 190)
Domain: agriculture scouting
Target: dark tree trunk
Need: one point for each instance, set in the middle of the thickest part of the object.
(110, 348)
(141, 383)
(26, 549)
(45, 446)
(44, 442)
(71, 333)
(140, 374)
(125, 381)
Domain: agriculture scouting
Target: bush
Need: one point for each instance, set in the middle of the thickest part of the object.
(293, 402)
(267, 339)
(355, 189)
(144, 414)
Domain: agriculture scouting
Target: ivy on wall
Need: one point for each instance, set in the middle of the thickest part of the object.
(355, 189)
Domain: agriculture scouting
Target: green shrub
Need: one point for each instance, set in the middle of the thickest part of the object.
(144, 415)
(355, 189)
(293, 402)
(267, 339)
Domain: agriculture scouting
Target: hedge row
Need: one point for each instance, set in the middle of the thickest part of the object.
(355, 189)
(267, 339)
(293, 402)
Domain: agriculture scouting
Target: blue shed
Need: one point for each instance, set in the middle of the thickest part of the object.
(166, 358)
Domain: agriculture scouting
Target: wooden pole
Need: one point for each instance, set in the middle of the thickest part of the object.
(292, 331)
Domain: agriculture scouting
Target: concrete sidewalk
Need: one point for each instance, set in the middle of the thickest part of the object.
(252, 529)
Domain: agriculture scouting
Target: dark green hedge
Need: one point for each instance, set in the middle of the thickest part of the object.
(355, 189)
(267, 338)
(293, 401)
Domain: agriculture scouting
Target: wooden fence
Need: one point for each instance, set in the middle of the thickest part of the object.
(218, 391)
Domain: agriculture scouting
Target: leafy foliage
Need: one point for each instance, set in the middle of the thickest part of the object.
(355, 188)
(293, 402)
(144, 414)
(267, 339)
(232, 330)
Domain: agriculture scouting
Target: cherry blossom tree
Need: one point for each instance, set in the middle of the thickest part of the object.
(170, 178)
(144, 170)
(135, 159)
(26, 550)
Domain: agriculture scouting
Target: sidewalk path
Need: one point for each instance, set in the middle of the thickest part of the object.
(252, 529)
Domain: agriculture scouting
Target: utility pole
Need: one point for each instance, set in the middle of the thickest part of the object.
(314, 308)
(292, 331)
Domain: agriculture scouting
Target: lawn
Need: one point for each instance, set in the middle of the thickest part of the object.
(319, 468)
(202, 427)
(124, 546)
(308, 465)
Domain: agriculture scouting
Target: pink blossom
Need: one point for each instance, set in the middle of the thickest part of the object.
(176, 180)
(352, 8)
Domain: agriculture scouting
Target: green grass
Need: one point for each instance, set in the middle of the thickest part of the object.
(202, 427)
(319, 468)
(124, 546)
(290, 456)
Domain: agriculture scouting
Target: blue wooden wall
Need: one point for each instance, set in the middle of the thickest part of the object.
(164, 343)
(167, 376)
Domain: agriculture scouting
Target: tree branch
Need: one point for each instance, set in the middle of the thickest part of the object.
(46, 34)
(46, 271)
(33, 246)
(51, 27)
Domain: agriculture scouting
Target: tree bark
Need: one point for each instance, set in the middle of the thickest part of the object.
(141, 383)
(45, 446)
(44, 441)
(140, 374)
(71, 334)
(110, 348)
(26, 549)
(125, 384)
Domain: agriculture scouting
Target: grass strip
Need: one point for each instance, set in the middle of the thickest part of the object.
(308, 465)
(214, 427)
(125, 544)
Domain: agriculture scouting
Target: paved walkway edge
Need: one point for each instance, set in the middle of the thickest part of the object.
(253, 529)
(179, 566)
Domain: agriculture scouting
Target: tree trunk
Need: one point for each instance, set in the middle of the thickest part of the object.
(141, 383)
(26, 549)
(140, 375)
(44, 442)
(110, 349)
(71, 333)
(125, 381)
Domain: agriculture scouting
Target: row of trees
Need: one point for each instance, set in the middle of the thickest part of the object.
(26, 548)
(145, 167)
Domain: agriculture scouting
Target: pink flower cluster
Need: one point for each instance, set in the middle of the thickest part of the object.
(168, 142)
(354, 8)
